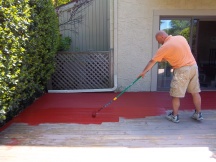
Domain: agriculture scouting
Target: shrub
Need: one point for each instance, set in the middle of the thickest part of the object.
(29, 39)
(14, 22)
(43, 42)
(64, 43)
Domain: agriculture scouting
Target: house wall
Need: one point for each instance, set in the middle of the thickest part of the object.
(136, 28)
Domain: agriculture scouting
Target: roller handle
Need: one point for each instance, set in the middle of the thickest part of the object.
(127, 88)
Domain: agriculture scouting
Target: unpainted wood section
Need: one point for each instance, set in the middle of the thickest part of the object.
(150, 132)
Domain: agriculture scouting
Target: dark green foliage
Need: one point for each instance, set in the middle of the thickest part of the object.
(177, 26)
(43, 41)
(15, 19)
(186, 33)
(64, 43)
(29, 39)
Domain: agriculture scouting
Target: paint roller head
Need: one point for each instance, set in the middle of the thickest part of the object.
(94, 114)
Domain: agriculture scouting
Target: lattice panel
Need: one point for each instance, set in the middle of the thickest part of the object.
(81, 70)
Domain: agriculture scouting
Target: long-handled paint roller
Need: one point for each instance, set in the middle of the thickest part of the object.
(94, 114)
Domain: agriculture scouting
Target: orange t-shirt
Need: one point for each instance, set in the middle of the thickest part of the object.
(176, 51)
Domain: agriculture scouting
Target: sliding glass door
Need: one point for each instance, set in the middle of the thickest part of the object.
(176, 26)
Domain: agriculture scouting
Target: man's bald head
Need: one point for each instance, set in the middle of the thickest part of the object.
(161, 36)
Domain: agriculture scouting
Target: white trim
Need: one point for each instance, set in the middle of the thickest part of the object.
(184, 12)
(154, 49)
(156, 19)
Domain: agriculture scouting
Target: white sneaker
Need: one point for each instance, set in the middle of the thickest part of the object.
(173, 118)
(197, 116)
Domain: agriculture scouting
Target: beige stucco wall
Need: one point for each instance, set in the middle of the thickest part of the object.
(135, 35)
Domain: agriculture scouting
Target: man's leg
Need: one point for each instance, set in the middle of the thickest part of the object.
(173, 116)
(197, 101)
(176, 105)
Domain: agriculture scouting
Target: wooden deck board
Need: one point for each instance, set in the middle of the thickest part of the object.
(144, 139)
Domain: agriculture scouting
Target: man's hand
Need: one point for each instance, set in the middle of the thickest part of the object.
(147, 68)
(141, 75)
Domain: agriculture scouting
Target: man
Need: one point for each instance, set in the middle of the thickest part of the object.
(176, 51)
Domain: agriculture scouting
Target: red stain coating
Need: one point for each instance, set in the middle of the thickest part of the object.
(78, 107)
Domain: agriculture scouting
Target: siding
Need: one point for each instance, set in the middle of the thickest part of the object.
(91, 31)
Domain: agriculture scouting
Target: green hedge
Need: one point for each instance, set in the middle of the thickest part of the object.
(29, 37)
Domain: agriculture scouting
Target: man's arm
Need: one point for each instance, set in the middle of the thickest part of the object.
(147, 68)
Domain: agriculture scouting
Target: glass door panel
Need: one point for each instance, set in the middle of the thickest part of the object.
(172, 27)
(199, 33)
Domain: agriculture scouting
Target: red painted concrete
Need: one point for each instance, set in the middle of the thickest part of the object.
(78, 107)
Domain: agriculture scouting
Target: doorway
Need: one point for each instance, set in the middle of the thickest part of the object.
(201, 36)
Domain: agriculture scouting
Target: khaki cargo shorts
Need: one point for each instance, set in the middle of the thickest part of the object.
(185, 79)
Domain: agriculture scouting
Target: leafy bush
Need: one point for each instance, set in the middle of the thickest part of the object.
(15, 19)
(64, 43)
(60, 2)
(43, 42)
(29, 39)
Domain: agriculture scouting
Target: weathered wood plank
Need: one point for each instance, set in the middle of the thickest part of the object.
(152, 135)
